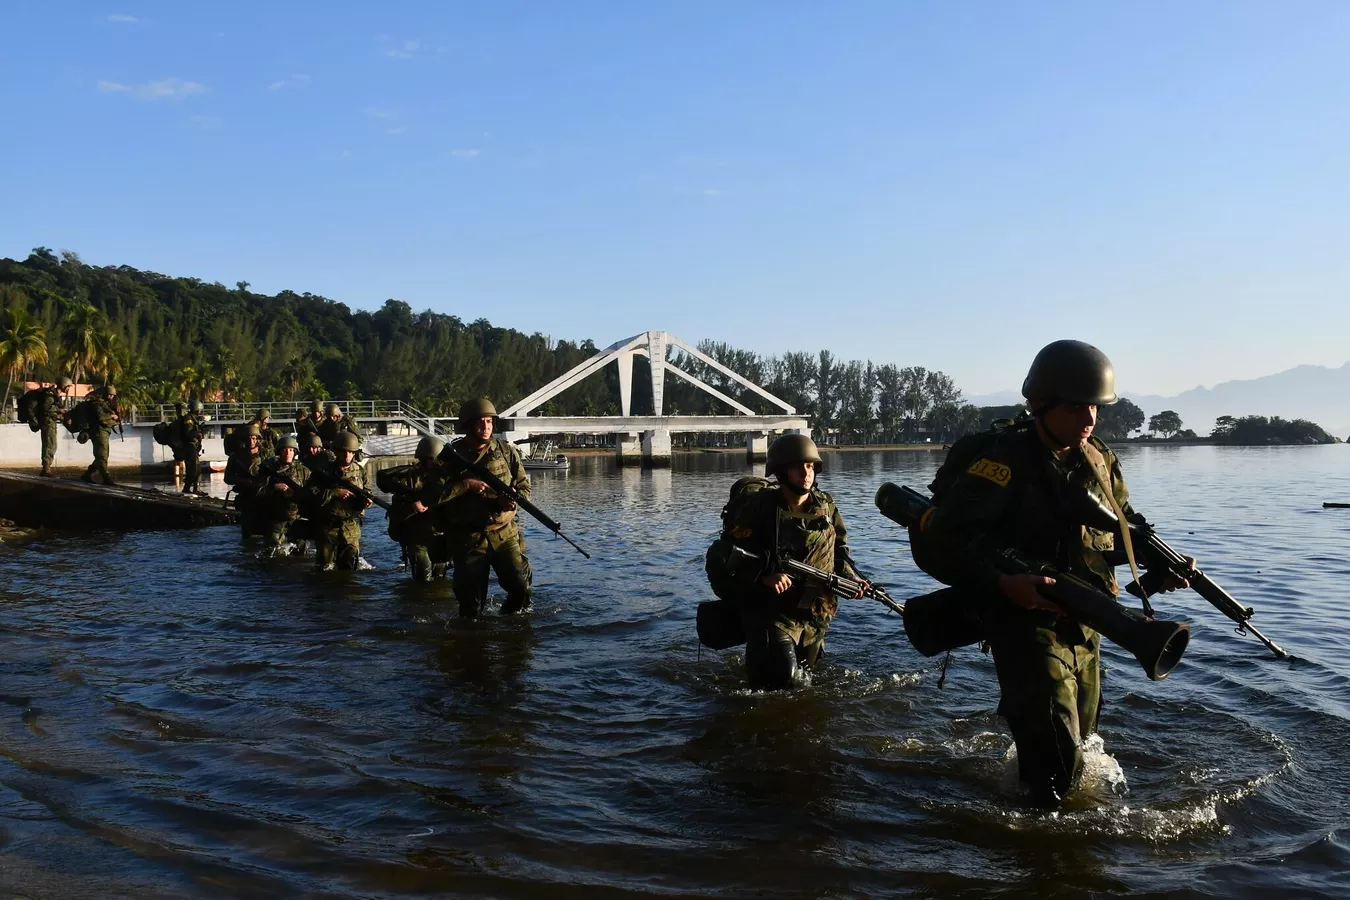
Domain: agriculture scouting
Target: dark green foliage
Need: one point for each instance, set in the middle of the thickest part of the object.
(1117, 421)
(1261, 430)
(170, 338)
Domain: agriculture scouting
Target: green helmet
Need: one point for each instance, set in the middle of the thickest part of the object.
(197, 406)
(253, 431)
(316, 407)
(332, 408)
(791, 448)
(288, 441)
(314, 440)
(474, 410)
(1070, 372)
(63, 382)
(109, 391)
(347, 441)
(428, 447)
(264, 414)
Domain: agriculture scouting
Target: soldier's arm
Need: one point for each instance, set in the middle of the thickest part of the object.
(962, 528)
(520, 479)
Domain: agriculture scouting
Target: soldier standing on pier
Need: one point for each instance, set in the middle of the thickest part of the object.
(188, 446)
(49, 413)
(100, 418)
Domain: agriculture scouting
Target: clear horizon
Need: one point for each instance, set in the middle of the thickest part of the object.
(923, 184)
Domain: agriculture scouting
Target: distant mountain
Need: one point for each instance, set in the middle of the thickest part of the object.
(1316, 393)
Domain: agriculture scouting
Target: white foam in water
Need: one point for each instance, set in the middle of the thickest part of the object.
(362, 565)
(1102, 775)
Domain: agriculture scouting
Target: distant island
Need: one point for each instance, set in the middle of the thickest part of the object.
(162, 339)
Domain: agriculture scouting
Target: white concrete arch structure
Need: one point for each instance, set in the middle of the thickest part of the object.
(647, 438)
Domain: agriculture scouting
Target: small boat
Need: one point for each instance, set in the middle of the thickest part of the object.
(214, 465)
(37, 502)
(542, 457)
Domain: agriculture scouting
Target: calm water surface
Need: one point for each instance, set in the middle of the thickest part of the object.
(182, 719)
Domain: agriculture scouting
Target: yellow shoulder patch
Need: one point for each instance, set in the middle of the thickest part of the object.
(741, 532)
(998, 473)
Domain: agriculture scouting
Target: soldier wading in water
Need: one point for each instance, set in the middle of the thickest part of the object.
(785, 618)
(1021, 494)
(479, 526)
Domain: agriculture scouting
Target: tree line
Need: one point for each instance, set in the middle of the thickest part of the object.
(161, 339)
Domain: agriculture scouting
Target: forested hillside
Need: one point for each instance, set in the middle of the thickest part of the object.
(161, 338)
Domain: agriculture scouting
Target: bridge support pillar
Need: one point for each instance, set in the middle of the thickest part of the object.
(628, 445)
(656, 448)
(756, 446)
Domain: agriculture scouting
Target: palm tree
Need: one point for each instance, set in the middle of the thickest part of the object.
(22, 343)
(296, 373)
(80, 328)
(111, 358)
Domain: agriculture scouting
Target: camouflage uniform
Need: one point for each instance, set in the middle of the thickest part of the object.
(329, 429)
(785, 632)
(49, 414)
(278, 510)
(267, 437)
(188, 450)
(478, 534)
(337, 522)
(243, 472)
(1019, 495)
(100, 418)
(415, 532)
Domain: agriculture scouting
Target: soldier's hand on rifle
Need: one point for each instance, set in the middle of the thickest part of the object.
(1173, 582)
(282, 486)
(778, 583)
(863, 587)
(344, 494)
(478, 487)
(419, 506)
(1025, 591)
(506, 503)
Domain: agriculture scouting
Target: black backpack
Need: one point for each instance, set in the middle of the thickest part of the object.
(716, 563)
(29, 407)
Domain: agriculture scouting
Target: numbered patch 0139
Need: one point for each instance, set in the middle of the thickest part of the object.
(998, 473)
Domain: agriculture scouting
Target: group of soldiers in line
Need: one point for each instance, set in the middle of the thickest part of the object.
(92, 420)
(311, 486)
(1015, 494)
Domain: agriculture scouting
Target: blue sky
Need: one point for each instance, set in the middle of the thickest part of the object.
(947, 184)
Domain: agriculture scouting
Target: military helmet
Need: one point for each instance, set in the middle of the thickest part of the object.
(332, 408)
(1070, 372)
(316, 406)
(347, 441)
(264, 414)
(253, 431)
(288, 441)
(473, 410)
(429, 447)
(791, 448)
(197, 406)
(63, 382)
(109, 391)
(314, 440)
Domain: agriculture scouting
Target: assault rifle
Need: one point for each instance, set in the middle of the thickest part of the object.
(908, 507)
(1164, 559)
(841, 586)
(327, 474)
(458, 465)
